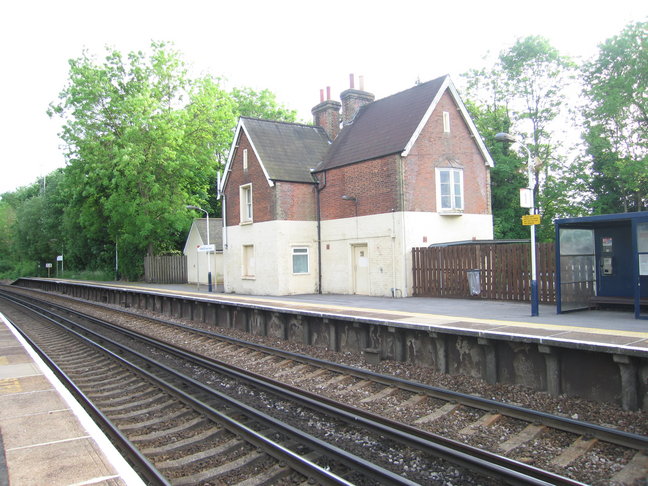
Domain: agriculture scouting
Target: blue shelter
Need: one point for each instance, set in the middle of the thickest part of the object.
(602, 260)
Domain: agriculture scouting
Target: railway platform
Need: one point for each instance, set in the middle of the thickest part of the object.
(607, 327)
(46, 436)
(499, 342)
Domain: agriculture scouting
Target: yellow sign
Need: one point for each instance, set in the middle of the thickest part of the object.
(530, 219)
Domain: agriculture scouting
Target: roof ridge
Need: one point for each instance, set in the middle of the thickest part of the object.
(267, 120)
(412, 87)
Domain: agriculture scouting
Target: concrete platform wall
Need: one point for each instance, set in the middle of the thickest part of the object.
(571, 368)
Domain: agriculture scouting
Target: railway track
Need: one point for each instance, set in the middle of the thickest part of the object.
(419, 405)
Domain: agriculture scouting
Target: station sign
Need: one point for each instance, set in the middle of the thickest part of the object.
(526, 198)
(530, 219)
(206, 248)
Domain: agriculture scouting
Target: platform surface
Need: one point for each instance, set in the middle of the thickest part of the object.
(47, 437)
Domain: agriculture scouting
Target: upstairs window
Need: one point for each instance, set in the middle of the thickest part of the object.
(450, 189)
(446, 122)
(246, 203)
(245, 160)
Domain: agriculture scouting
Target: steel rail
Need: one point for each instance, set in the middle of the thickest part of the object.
(565, 424)
(513, 472)
(299, 463)
(140, 464)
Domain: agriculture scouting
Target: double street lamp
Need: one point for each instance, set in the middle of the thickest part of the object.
(209, 274)
(505, 137)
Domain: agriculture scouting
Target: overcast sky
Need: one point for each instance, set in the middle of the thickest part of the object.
(292, 48)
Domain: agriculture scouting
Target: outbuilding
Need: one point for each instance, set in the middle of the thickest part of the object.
(198, 261)
(602, 260)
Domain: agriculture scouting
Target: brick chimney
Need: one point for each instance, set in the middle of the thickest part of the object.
(327, 114)
(354, 99)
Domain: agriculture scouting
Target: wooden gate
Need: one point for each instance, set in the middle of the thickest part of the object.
(504, 271)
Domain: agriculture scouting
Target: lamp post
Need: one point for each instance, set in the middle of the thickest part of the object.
(209, 275)
(505, 137)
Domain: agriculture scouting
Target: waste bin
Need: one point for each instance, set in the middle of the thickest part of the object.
(473, 281)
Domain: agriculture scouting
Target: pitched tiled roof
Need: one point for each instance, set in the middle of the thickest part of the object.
(383, 127)
(215, 231)
(287, 151)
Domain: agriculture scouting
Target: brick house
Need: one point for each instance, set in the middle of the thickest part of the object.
(337, 210)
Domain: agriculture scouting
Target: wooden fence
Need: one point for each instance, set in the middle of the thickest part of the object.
(504, 271)
(165, 269)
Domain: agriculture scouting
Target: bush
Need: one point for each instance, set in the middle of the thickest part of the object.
(14, 270)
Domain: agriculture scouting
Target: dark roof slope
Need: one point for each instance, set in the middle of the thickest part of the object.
(288, 151)
(383, 127)
(215, 231)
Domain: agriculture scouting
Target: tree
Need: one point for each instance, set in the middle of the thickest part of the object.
(7, 219)
(526, 85)
(507, 176)
(616, 120)
(262, 104)
(142, 140)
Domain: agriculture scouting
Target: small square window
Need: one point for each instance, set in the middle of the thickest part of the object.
(300, 260)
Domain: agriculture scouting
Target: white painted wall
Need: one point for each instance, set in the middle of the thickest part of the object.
(273, 242)
(197, 268)
(380, 234)
(390, 239)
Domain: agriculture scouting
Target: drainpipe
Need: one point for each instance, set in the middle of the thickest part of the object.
(221, 195)
(319, 233)
(404, 232)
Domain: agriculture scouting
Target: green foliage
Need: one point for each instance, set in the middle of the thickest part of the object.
(616, 120)
(142, 140)
(508, 175)
(261, 105)
(523, 92)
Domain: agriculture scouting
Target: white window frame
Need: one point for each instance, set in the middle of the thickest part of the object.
(245, 160)
(300, 251)
(247, 262)
(456, 201)
(247, 205)
(446, 122)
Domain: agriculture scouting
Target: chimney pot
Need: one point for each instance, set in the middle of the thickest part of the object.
(328, 92)
(351, 81)
(361, 80)
(321, 95)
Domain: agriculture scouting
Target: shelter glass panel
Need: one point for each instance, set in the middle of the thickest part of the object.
(642, 256)
(577, 268)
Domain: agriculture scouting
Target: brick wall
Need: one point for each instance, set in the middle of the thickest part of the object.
(296, 202)
(262, 194)
(283, 201)
(373, 183)
(458, 149)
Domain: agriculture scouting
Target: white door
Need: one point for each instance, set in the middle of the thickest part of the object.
(360, 270)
